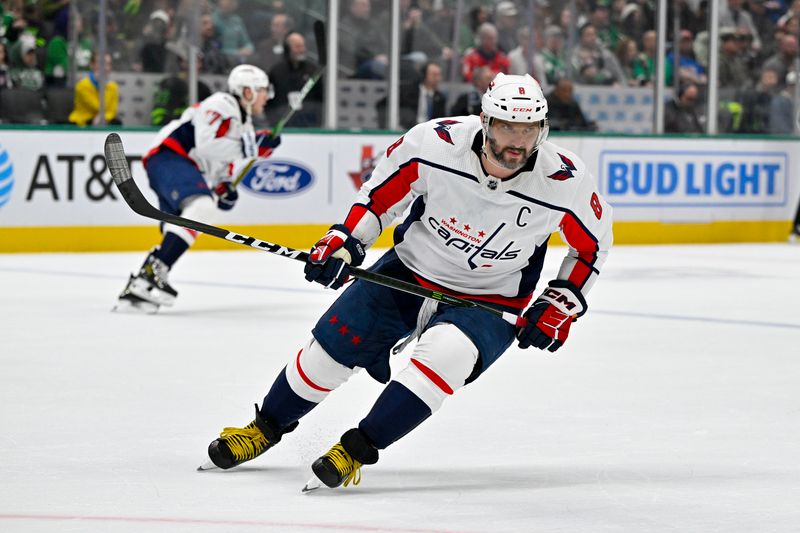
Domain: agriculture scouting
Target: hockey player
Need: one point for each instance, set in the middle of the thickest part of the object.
(205, 150)
(485, 194)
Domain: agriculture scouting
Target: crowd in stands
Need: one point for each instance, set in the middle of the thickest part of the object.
(604, 42)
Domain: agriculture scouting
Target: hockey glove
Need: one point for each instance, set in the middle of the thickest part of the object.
(266, 142)
(330, 259)
(226, 195)
(551, 315)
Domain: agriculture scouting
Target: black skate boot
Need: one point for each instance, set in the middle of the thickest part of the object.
(148, 289)
(342, 463)
(237, 445)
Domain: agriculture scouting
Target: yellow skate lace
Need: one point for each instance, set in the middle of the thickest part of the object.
(245, 443)
(345, 465)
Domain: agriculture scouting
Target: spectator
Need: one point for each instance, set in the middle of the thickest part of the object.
(25, 72)
(736, 17)
(420, 100)
(680, 114)
(784, 58)
(87, 97)
(214, 61)
(363, 45)
(270, 51)
(236, 43)
(56, 65)
(172, 97)
(593, 62)
(469, 103)
(486, 53)
(552, 57)
(765, 109)
(418, 36)
(627, 52)
(563, 111)
(477, 17)
(5, 75)
(644, 64)
(153, 53)
(424, 101)
(690, 68)
(287, 78)
(505, 17)
(519, 56)
(607, 33)
(732, 68)
(633, 21)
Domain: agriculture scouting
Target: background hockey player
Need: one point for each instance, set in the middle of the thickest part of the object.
(485, 194)
(192, 166)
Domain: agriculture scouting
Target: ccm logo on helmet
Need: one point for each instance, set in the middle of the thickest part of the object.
(523, 109)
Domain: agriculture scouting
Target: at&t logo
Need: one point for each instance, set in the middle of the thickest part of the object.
(6, 176)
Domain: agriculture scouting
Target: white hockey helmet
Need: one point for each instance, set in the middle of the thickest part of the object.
(247, 76)
(515, 98)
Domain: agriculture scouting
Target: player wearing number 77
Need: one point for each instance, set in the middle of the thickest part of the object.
(193, 167)
(483, 195)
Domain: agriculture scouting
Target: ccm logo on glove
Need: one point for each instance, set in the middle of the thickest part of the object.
(551, 315)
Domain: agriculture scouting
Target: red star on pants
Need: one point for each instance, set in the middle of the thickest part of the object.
(333, 320)
(356, 339)
(344, 330)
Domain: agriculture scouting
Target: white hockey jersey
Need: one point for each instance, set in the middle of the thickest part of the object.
(475, 234)
(213, 135)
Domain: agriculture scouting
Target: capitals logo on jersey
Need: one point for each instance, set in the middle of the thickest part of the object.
(567, 169)
(442, 129)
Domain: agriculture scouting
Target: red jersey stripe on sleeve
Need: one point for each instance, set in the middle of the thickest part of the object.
(394, 189)
(355, 215)
(223, 128)
(579, 238)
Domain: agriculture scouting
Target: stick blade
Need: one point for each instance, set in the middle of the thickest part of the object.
(115, 159)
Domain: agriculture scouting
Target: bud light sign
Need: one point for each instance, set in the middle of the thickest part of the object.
(273, 178)
(633, 178)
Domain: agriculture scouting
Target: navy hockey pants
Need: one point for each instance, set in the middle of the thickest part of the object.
(174, 178)
(367, 320)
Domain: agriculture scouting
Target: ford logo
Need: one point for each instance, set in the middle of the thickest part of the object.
(6, 176)
(272, 177)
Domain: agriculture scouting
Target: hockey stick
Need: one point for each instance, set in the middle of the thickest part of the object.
(121, 174)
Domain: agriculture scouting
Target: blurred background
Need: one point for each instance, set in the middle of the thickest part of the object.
(685, 110)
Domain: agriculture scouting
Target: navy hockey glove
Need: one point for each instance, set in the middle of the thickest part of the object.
(266, 142)
(226, 195)
(330, 259)
(551, 315)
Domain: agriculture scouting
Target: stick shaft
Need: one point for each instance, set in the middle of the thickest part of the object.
(120, 172)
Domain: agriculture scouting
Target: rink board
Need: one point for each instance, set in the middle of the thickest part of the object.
(56, 194)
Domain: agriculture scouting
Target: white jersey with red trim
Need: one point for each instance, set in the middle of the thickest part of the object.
(475, 234)
(213, 134)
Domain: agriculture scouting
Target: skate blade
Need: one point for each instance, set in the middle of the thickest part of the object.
(208, 465)
(135, 308)
(312, 484)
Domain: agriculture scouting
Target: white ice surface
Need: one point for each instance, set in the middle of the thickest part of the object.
(675, 405)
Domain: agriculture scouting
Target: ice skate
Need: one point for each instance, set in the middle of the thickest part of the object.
(147, 290)
(238, 445)
(342, 464)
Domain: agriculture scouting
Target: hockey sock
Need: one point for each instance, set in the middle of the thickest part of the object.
(282, 406)
(172, 247)
(396, 412)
